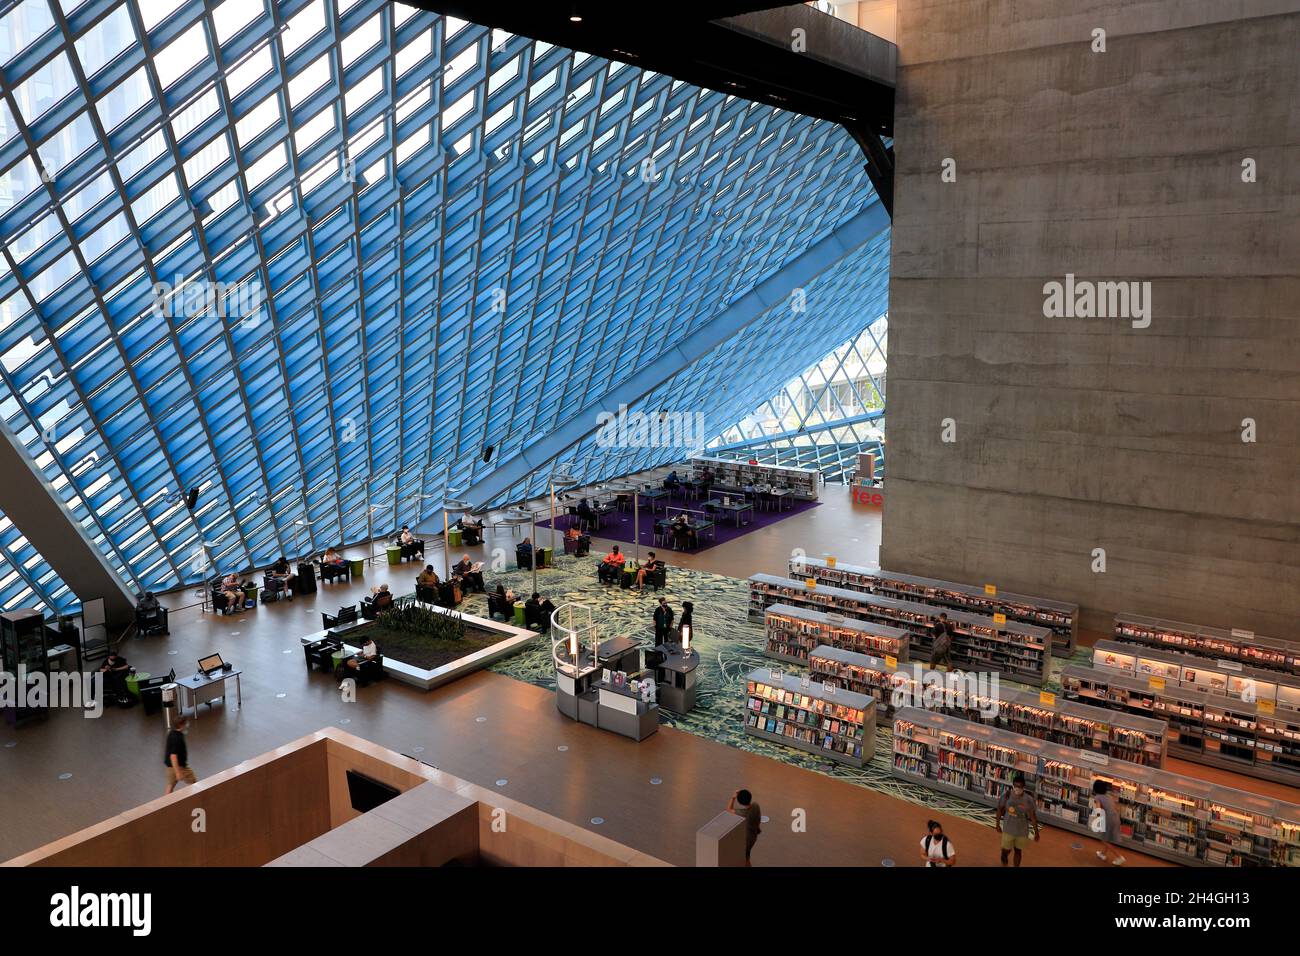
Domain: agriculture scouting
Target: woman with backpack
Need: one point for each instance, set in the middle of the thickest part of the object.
(1103, 820)
(937, 849)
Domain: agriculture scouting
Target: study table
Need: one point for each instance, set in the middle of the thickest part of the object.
(666, 526)
(201, 689)
(733, 508)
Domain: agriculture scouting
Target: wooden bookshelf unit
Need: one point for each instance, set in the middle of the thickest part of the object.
(1215, 643)
(834, 724)
(794, 631)
(1163, 814)
(1045, 716)
(1060, 617)
(1018, 652)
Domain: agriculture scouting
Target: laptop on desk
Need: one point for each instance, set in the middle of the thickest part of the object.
(212, 664)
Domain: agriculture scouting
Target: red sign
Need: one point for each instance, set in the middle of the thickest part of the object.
(867, 496)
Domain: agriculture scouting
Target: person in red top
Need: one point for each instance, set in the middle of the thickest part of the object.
(612, 566)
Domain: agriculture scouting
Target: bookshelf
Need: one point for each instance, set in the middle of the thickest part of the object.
(1061, 618)
(1220, 678)
(1255, 738)
(1018, 652)
(834, 724)
(792, 632)
(1163, 814)
(804, 483)
(1045, 716)
(1244, 647)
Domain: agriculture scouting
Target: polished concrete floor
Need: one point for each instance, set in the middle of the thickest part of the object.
(69, 772)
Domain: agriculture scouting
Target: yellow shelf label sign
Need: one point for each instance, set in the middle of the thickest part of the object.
(1047, 698)
(812, 584)
(891, 662)
(1156, 683)
(990, 589)
(830, 561)
(1266, 706)
(999, 619)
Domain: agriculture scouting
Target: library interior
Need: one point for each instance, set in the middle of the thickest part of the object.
(533, 359)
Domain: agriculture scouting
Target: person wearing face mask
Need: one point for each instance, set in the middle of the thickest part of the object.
(1017, 812)
(176, 756)
(936, 849)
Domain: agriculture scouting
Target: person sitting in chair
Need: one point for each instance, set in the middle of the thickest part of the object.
(500, 602)
(471, 530)
(672, 481)
(612, 566)
(381, 597)
(538, 612)
(406, 537)
(147, 604)
(471, 576)
(652, 564)
(684, 535)
(369, 651)
(281, 577)
(333, 558)
(115, 670)
(428, 578)
(581, 542)
(524, 550)
(232, 589)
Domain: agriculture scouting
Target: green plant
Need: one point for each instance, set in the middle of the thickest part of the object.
(418, 620)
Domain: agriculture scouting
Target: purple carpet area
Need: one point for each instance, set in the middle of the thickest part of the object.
(618, 525)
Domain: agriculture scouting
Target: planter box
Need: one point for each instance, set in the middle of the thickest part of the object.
(513, 640)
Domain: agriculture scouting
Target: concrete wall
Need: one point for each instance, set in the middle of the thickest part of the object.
(1074, 433)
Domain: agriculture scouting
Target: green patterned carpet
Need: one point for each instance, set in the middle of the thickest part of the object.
(729, 645)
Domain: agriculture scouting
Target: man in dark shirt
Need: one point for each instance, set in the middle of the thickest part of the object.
(1017, 812)
(742, 804)
(176, 756)
(663, 621)
(942, 652)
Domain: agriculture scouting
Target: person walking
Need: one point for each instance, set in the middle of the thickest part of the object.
(1103, 820)
(176, 756)
(1017, 812)
(942, 651)
(937, 849)
(663, 621)
(742, 804)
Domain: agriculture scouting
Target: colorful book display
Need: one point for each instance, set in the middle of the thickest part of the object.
(788, 710)
(1244, 647)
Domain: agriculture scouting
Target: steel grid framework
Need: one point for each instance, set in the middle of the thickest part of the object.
(449, 236)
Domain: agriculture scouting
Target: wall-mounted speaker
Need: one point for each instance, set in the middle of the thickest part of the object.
(487, 453)
(192, 498)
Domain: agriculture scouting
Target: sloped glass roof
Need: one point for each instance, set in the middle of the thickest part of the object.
(311, 257)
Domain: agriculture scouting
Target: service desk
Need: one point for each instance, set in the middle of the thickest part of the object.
(620, 709)
(200, 689)
(675, 678)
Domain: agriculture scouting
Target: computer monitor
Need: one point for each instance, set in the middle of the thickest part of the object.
(210, 664)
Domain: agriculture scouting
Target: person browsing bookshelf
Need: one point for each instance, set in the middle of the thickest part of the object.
(1103, 820)
(936, 849)
(942, 651)
(1017, 812)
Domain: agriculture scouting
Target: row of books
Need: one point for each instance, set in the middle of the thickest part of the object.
(805, 735)
(1059, 618)
(808, 718)
(818, 705)
(1208, 642)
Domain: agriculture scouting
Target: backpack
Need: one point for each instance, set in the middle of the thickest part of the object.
(944, 847)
